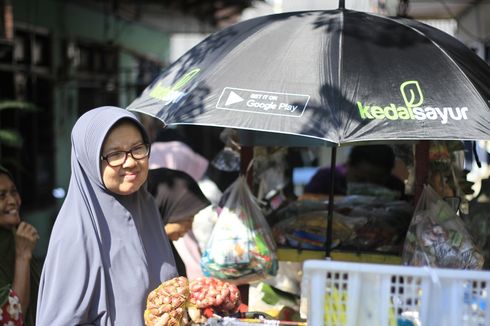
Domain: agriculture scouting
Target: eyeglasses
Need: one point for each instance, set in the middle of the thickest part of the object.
(118, 158)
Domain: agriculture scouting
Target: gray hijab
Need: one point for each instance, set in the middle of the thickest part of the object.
(106, 251)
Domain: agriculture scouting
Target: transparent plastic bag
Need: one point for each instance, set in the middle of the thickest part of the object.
(437, 236)
(241, 248)
(228, 159)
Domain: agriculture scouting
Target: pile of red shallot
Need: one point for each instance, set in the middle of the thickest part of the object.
(175, 301)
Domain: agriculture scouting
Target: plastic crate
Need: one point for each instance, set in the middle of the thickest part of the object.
(344, 293)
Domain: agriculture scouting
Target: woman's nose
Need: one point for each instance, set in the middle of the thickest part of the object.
(130, 161)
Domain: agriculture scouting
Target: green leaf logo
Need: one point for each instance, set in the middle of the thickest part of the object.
(185, 79)
(412, 94)
(172, 93)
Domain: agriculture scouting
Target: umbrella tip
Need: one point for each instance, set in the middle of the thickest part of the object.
(341, 4)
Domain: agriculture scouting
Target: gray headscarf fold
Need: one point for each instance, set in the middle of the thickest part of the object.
(106, 251)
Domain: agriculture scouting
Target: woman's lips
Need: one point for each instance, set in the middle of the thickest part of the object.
(130, 176)
(10, 217)
(11, 212)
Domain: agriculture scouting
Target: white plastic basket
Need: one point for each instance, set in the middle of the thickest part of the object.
(341, 293)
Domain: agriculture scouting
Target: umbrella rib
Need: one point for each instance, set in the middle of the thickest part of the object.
(329, 231)
(339, 77)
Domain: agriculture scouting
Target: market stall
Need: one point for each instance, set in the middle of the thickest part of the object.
(330, 78)
(279, 294)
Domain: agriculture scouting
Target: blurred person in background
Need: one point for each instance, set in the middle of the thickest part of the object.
(179, 198)
(19, 270)
(371, 164)
(172, 150)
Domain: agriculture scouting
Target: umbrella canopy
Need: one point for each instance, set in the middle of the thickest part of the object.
(336, 76)
(327, 77)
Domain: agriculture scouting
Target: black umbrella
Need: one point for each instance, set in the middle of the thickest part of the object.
(331, 77)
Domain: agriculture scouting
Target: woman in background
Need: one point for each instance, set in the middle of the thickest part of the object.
(178, 198)
(19, 270)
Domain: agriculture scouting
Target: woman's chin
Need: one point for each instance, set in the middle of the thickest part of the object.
(9, 222)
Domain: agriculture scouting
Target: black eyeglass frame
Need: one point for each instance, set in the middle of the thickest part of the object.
(130, 152)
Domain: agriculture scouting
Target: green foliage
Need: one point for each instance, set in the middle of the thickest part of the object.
(18, 105)
(10, 137)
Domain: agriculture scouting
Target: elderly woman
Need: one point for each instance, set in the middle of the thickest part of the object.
(107, 250)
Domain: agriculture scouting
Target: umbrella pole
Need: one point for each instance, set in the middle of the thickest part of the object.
(328, 242)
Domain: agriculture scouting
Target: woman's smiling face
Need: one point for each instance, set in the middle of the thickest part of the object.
(9, 203)
(128, 177)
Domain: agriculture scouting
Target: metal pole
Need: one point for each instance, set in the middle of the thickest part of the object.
(328, 242)
(341, 4)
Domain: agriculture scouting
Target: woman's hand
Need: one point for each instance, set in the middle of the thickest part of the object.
(26, 237)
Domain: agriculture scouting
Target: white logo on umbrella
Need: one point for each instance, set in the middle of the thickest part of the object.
(233, 98)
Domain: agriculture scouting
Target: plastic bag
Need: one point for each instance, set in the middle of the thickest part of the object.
(437, 237)
(241, 248)
(228, 159)
(371, 189)
(269, 166)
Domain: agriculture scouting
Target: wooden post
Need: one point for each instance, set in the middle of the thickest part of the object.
(246, 155)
